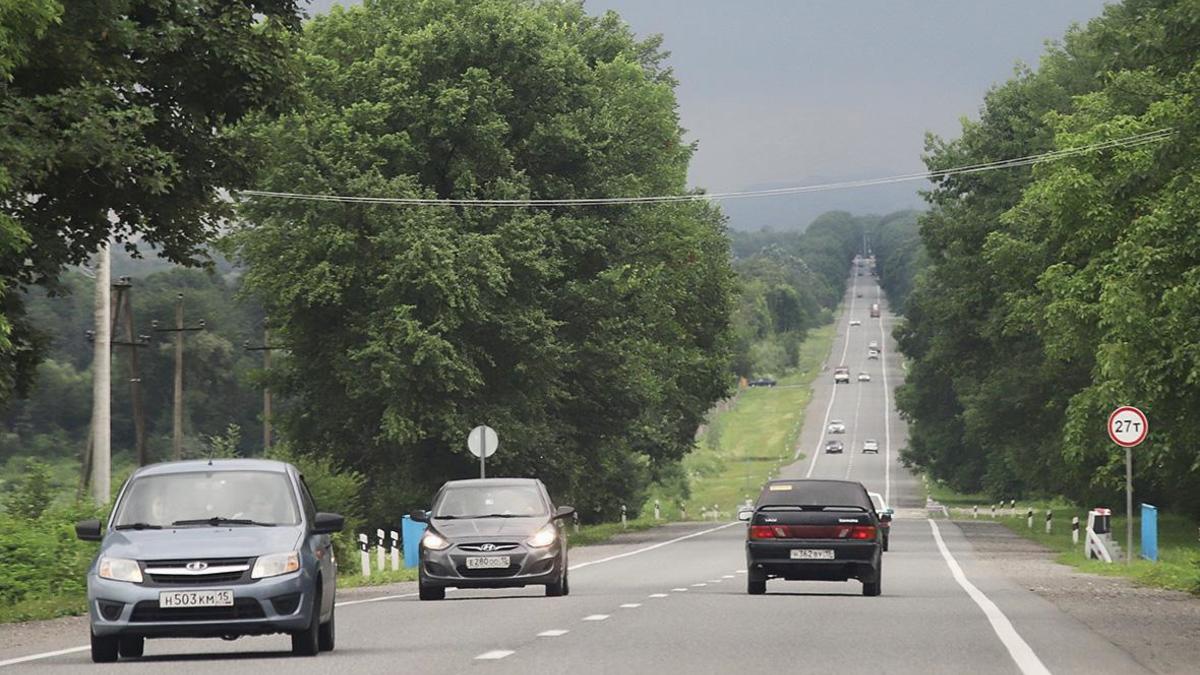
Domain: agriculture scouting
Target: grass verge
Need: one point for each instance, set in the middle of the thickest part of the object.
(1178, 565)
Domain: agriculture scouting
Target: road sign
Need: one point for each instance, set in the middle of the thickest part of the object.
(482, 441)
(1127, 426)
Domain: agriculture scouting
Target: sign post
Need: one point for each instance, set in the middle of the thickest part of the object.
(1127, 427)
(482, 442)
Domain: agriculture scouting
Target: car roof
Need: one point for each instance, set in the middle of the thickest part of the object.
(491, 482)
(194, 465)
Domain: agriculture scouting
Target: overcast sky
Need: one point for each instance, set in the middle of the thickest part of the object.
(781, 92)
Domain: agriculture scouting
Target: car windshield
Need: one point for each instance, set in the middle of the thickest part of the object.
(495, 501)
(198, 498)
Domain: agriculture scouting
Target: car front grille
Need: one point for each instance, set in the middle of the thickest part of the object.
(148, 611)
(488, 573)
(486, 547)
(216, 571)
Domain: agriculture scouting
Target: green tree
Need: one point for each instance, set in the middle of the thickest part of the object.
(593, 340)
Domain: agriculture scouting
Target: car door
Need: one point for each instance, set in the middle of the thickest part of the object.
(321, 546)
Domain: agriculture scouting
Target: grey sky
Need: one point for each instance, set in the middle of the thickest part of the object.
(785, 92)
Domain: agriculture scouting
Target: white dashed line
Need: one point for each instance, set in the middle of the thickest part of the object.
(714, 581)
(494, 655)
(726, 576)
(741, 571)
(595, 617)
(631, 605)
(553, 633)
(657, 595)
(679, 590)
(699, 585)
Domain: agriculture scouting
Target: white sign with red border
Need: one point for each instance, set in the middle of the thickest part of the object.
(1127, 426)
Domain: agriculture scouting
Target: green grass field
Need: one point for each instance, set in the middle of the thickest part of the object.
(1178, 565)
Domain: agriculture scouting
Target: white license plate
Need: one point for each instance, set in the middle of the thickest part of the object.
(489, 562)
(812, 554)
(206, 598)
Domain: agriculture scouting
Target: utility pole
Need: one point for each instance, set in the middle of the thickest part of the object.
(101, 448)
(265, 348)
(124, 308)
(178, 330)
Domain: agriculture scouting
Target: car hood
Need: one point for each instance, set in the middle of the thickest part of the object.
(489, 527)
(201, 542)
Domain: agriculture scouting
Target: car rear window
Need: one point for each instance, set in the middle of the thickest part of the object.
(814, 493)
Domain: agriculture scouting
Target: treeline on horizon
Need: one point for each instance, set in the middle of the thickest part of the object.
(1055, 293)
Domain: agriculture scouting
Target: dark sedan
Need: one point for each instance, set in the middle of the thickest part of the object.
(493, 533)
(820, 530)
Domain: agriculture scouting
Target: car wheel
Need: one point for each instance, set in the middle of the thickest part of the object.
(104, 648)
(308, 641)
(326, 636)
(131, 647)
(874, 588)
(430, 592)
(558, 588)
(886, 538)
(756, 584)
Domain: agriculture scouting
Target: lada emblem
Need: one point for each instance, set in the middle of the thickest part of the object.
(196, 566)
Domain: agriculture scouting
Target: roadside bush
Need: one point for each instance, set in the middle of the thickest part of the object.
(335, 489)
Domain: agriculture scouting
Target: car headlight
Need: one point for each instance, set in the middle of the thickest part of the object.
(275, 564)
(543, 537)
(434, 541)
(120, 569)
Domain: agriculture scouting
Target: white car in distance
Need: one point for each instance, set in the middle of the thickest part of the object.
(837, 427)
(864, 377)
(855, 322)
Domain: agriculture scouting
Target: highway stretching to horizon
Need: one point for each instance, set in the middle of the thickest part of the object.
(673, 599)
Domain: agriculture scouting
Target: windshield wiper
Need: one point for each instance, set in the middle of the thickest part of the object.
(504, 515)
(219, 520)
(137, 526)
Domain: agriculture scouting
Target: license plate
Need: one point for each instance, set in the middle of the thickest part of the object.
(206, 598)
(812, 554)
(490, 562)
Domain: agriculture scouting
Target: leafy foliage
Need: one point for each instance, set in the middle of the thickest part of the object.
(1055, 293)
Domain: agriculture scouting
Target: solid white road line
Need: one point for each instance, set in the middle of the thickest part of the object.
(46, 655)
(887, 406)
(494, 655)
(347, 603)
(833, 396)
(651, 548)
(657, 595)
(595, 617)
(631, 605)
(553, 633)
(1020, 651)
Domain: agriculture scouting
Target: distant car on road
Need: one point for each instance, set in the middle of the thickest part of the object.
(219, 548)
(882, 509)
(871, 445)
(855, 322)
(834, 447)
(762, 382)
(836, 427)
(864, 377)
(826, 530)
(873, 354)
(841, 374)
(492, 533)
(873, 345)
(858, 294)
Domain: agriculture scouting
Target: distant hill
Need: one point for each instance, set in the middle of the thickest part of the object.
(795, 212)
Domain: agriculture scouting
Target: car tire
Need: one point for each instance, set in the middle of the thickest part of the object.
(131, 647)
(327, 635)
(558, 588)
(427, 592)
(872, 589)
(308, 641)
(105, 648)
(756, 584)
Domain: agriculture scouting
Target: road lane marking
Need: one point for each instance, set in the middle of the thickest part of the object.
(347, 603)
(494, 655)
(854, 434)
(679, 590)
(651, 548)
(714, 581)
(741, 572)
(887, 409)
(1020, 651)
(698, 585)
(595, 617)
(553, 633)
(631, 605)
(44, 655)
(657, 595)
(833, 396)
(726, 576)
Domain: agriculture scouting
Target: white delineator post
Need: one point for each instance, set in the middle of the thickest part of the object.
(975, 512)
(1075, 529)
(1029, 517)
(1049, 516)
(379, 549)
(657, 512)
(363, 546)
(395, 551)
(624, 522)
(993, 511)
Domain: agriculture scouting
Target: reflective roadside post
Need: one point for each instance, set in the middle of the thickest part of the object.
(363, 547)
(1127, 427)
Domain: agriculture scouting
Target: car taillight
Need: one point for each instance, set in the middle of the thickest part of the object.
(762, 532)
(862, 532)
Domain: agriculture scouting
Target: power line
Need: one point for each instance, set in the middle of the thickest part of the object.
(1028, 160)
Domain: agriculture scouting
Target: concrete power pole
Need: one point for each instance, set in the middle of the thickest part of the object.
(177, 416)
(265, 348)
(101, 382)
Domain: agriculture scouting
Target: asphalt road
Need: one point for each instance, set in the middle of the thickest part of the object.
(674, 600)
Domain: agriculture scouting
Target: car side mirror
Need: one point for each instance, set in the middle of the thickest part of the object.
(418, 516)
(745, 515)
(885, 517)
(564, 512)
(328, 523)
(89, 530)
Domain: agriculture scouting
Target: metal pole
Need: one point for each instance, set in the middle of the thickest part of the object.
(267, 390)
(177, 424)
(101, 383)
(482, 454)
(1128, 506)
